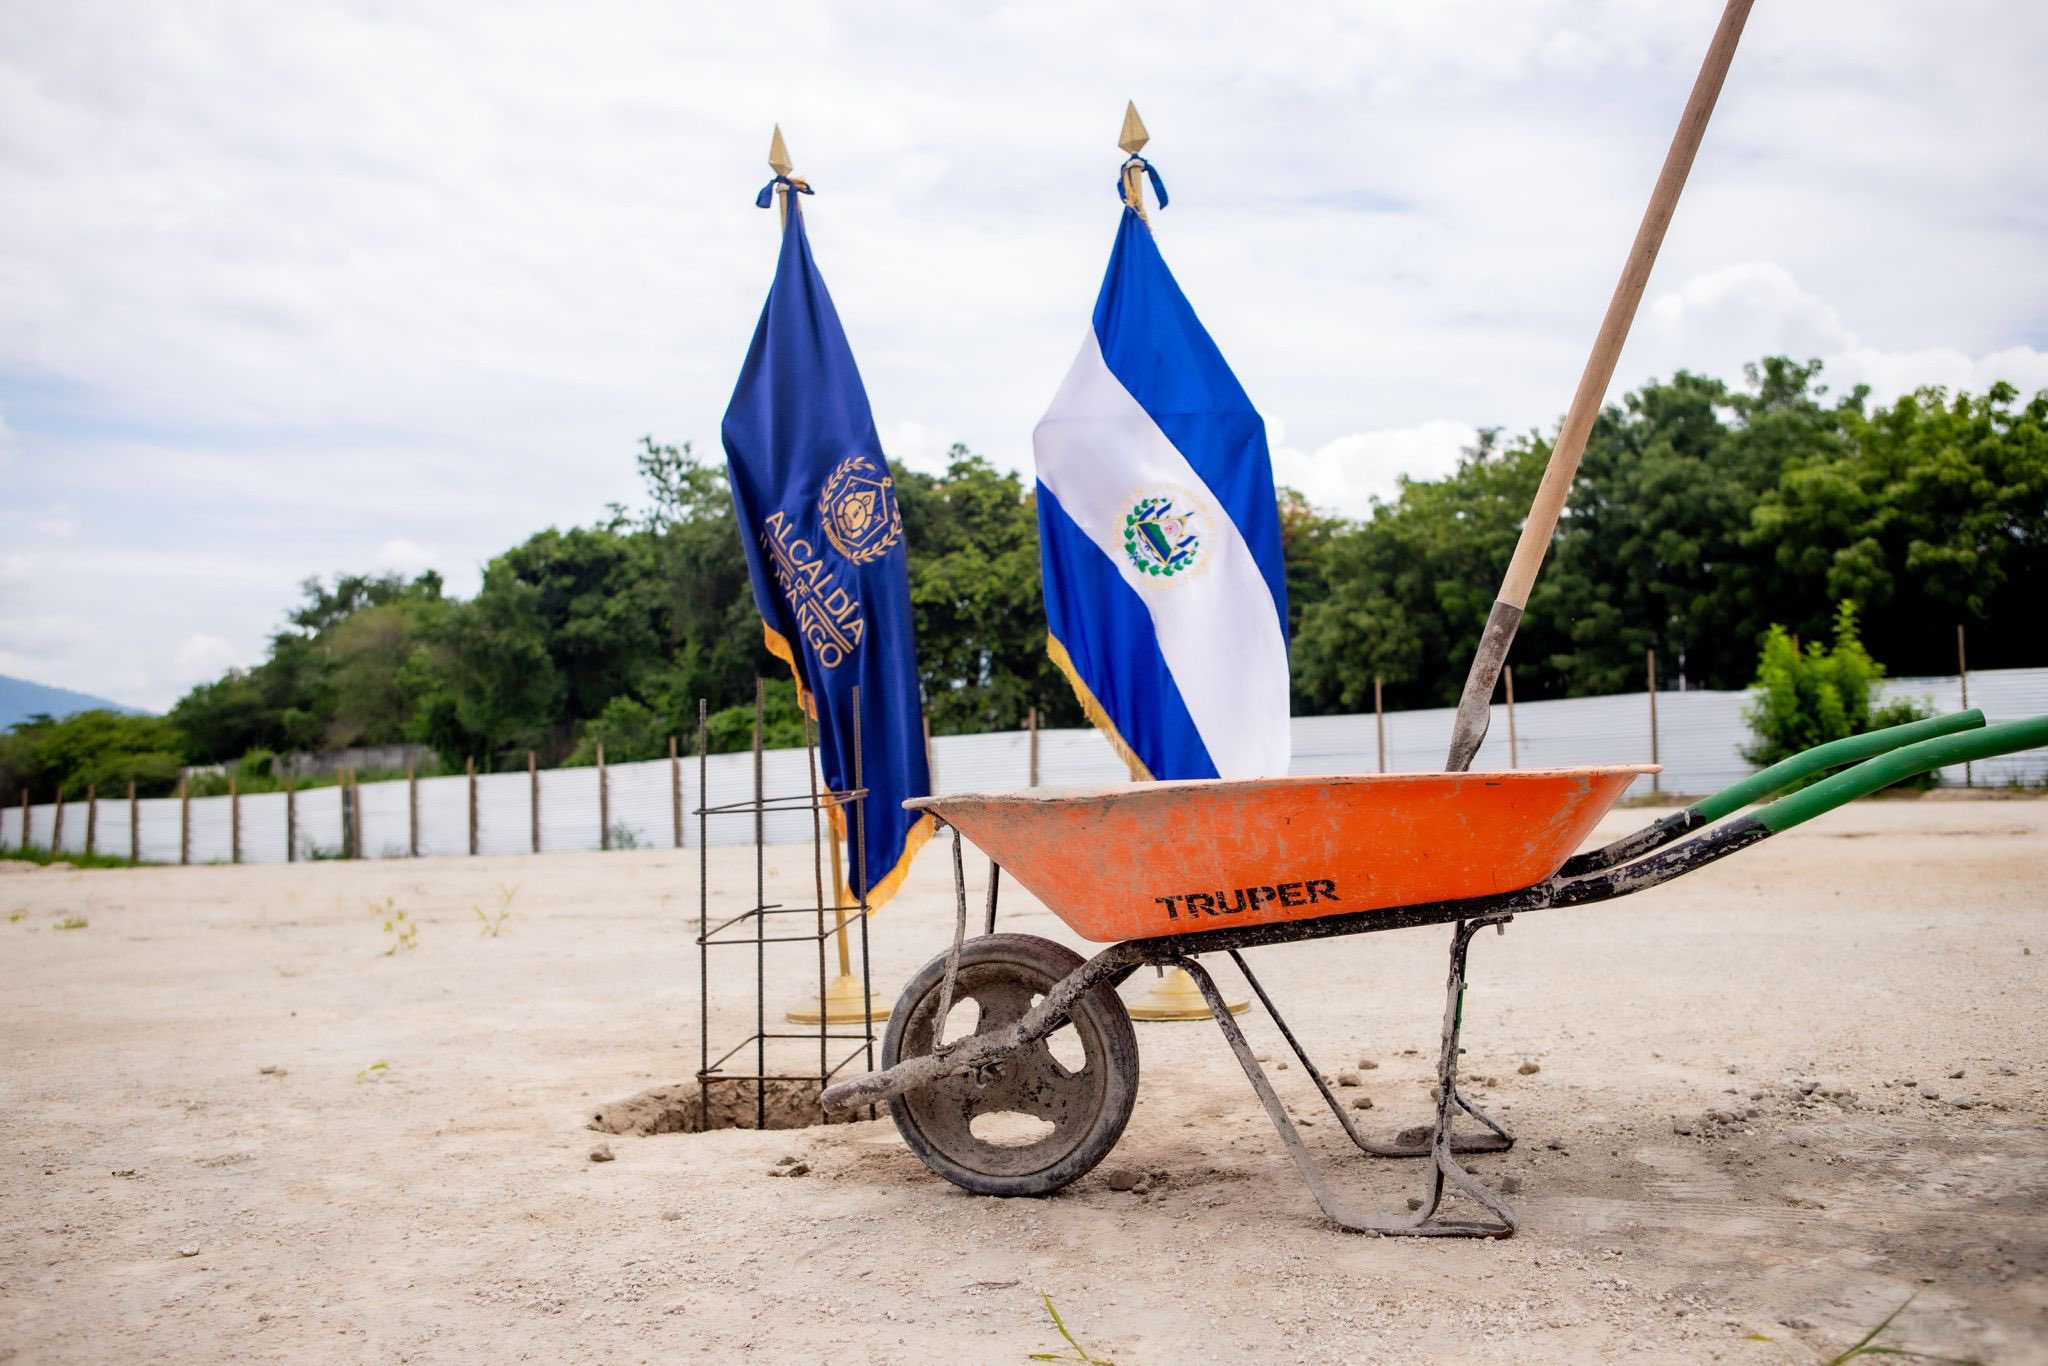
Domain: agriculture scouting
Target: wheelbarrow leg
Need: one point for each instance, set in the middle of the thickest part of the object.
(1424, 1223)
(1496, 1141)
(1417, 1142)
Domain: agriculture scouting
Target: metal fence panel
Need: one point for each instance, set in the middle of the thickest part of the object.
(568, 809)
(444, 816)
(1700, 740)
(319, 823)
(642, 806)
(504, 814)
(262, 828)
(386, 821)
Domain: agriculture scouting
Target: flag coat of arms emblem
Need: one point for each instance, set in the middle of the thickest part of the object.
(824, 544)
(1159, 534)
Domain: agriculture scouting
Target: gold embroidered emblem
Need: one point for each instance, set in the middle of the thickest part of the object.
(827, 616)
(859, 510)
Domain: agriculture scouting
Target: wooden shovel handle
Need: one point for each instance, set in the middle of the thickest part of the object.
(1621, 310)
(1470, 727)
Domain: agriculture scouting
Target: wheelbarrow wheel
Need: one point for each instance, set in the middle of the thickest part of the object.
(1044, 1116)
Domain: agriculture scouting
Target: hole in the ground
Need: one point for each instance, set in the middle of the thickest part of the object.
(681, 1109)
(1008, 1129)
(1065, 1046)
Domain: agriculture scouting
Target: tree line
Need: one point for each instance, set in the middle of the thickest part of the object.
(1704, 514)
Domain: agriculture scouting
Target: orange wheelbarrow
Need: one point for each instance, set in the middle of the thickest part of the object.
(1035, 1090)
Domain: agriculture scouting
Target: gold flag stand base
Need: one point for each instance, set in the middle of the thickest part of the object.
(1178, 998)
(843, 1005)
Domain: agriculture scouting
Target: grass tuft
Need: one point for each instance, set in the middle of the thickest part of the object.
(1079, 1353)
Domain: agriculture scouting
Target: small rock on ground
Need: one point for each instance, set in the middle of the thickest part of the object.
(1529, 1069)
(1361, 1102)
(1350, 1079)
(1122, 1178)
(189, 1250)
(601, 1153)
(1367, 1064)
(1511, 1185)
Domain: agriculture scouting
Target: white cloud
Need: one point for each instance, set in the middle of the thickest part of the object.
(1345, 475)
(1735, 314)
(280, 285)
(402, 556)
(916, 445)
(205, 656)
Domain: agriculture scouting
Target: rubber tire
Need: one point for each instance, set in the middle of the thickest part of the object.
(1044, 963)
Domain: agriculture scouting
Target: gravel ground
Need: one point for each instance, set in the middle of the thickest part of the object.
(1777, 1097)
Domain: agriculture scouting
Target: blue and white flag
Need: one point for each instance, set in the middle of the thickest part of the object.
(824, 544)
(1165, 598)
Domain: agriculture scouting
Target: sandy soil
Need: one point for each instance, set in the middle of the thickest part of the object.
(233, 1131)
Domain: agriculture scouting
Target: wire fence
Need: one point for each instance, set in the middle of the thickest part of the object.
(1697, 736)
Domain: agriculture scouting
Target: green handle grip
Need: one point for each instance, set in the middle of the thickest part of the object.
(1900, 764)
(1835, 753)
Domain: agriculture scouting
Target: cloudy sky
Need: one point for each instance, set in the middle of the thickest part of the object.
(288, 290)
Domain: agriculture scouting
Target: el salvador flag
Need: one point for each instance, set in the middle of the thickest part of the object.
(824, 545)
(1165, 599)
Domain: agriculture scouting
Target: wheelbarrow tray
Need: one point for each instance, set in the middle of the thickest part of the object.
(1140, 862)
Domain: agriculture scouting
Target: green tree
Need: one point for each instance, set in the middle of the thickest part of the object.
(976, 598)
(100, 748)
(1808, 697)
(1930, 513)
(1410, 588)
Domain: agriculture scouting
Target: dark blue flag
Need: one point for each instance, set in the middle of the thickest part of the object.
(824, 542)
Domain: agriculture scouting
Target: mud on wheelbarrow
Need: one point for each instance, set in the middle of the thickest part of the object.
(1174, 871)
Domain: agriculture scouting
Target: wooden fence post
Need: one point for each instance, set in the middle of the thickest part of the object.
(24, 820)
(134, 826)
(1379, 718)
(92, 819)
(1033, 721)
(1963, 674)
(604, 802)
(57, 825)
(675, 789)
(184, 820)
(1655, 784)
(234, 819)
(412, 810)
(291, 817)
(470, 766)
(1514, 751)
(533, 796)
(355, 815)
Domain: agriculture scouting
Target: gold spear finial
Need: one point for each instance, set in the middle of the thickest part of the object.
(1133, 137)
(778, 155)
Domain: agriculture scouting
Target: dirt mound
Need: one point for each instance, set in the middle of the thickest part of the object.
(682, 1109)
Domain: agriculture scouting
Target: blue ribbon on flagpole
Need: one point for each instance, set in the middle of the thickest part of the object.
(1158, 185)
(767, 195)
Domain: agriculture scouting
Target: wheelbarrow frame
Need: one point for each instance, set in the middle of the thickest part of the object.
(1668, 848)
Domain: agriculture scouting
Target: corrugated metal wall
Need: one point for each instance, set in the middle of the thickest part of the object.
(1699, 741)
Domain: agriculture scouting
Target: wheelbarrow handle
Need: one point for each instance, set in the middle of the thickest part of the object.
(1833, 754)
(1767, 781)
(1899, 765)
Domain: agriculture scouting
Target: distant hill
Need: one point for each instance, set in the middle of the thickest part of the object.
(21, 699)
